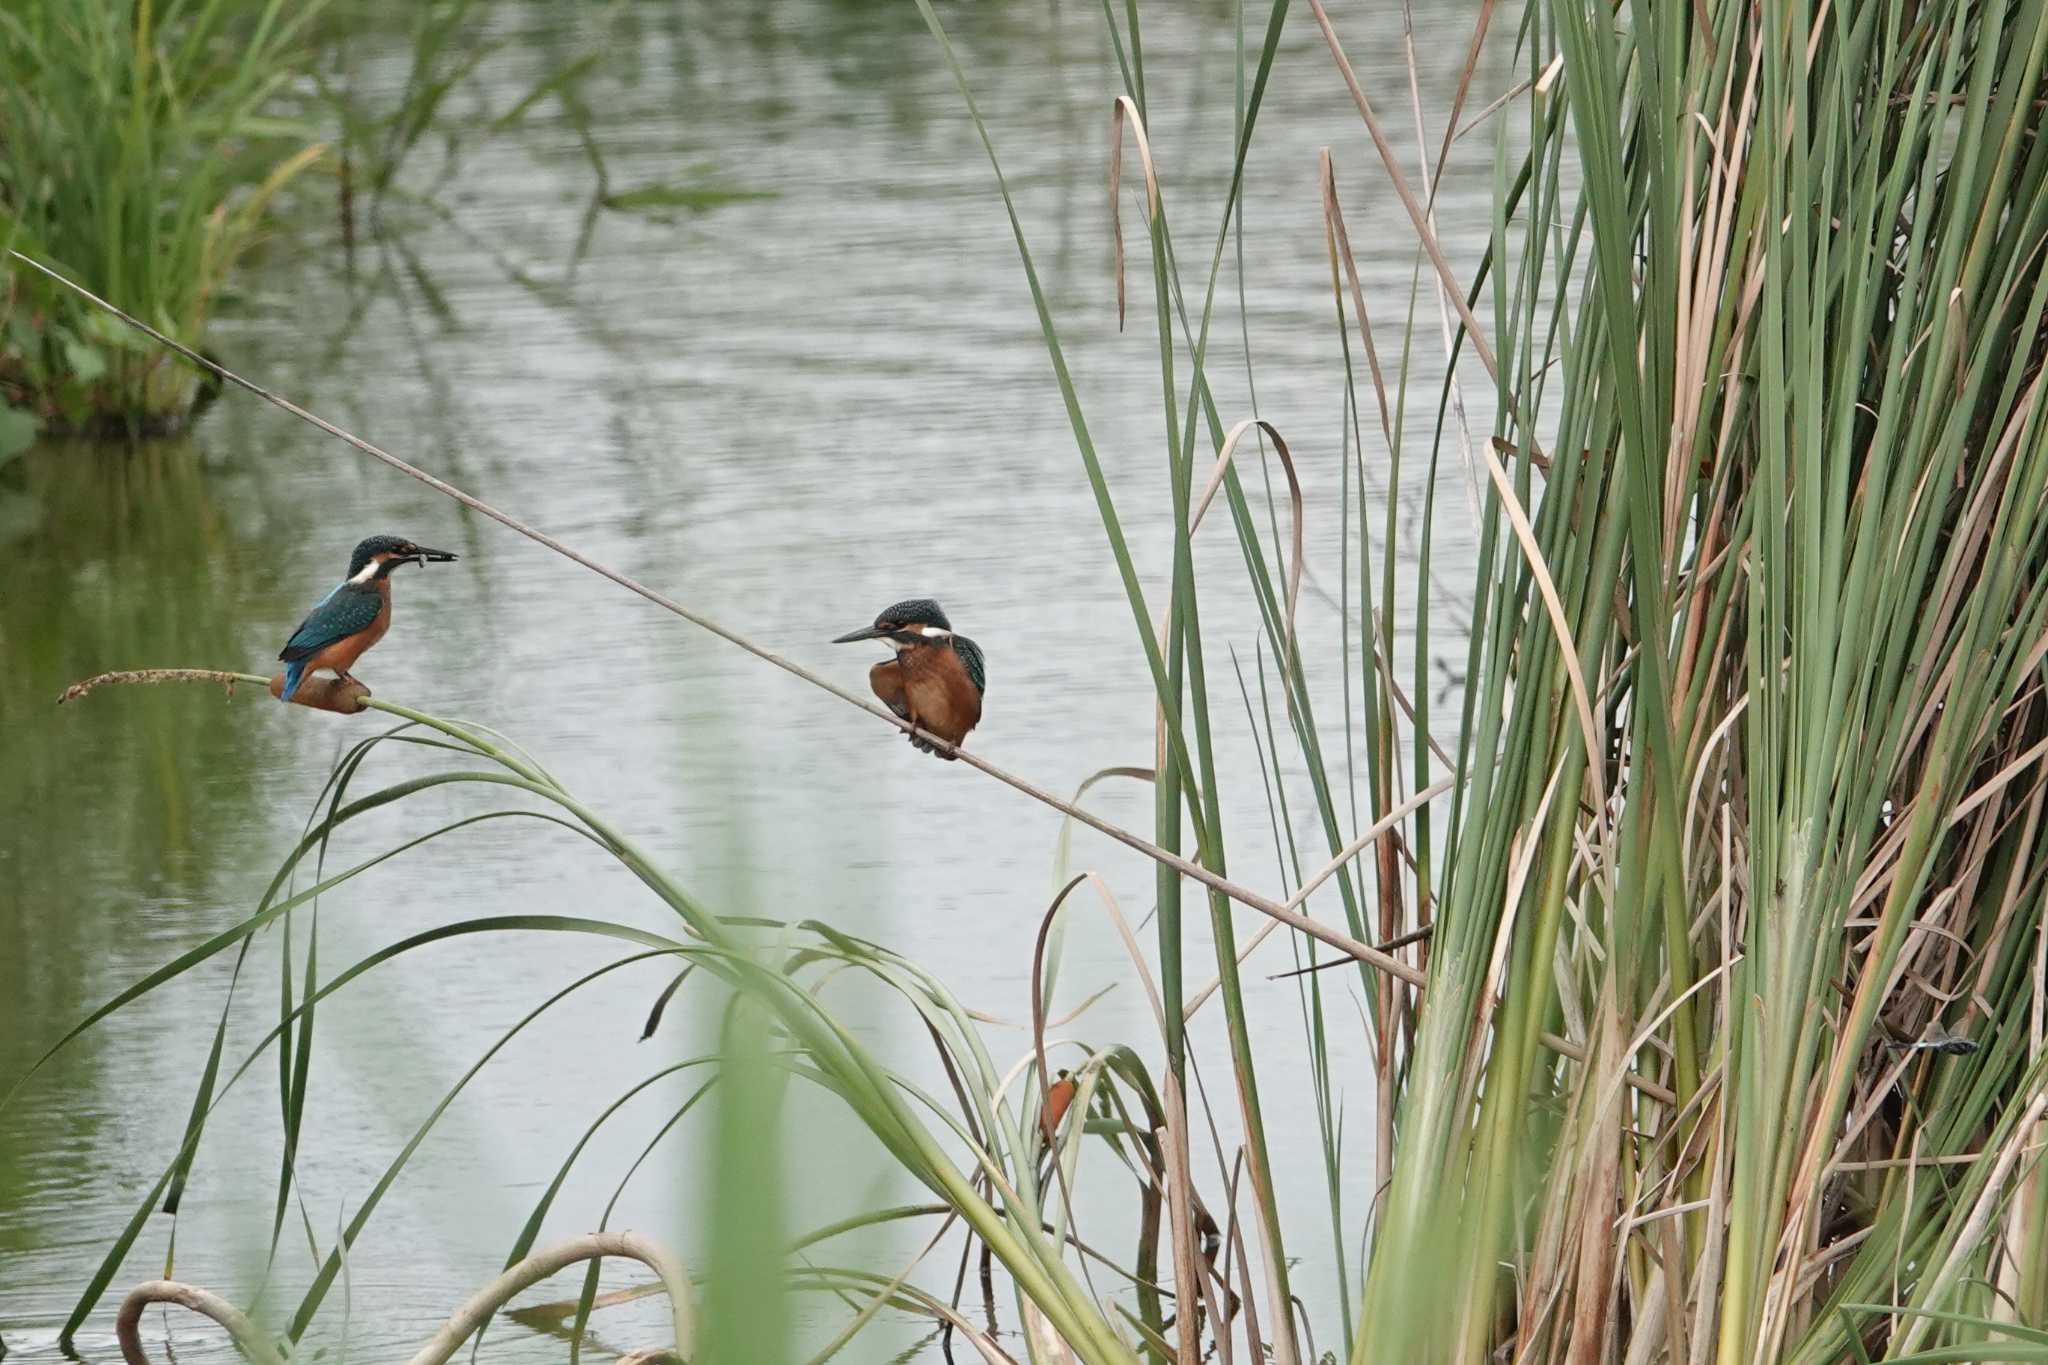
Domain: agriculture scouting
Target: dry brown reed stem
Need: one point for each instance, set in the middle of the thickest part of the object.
(1124, 107)
(1337, 238)
(1416, 213)
(158, 675)
(1046, 1123)
(1298, 559)
(1180, 1216)
(346, 698)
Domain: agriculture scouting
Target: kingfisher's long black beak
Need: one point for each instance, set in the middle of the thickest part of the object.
(864, 633)
(426, 556)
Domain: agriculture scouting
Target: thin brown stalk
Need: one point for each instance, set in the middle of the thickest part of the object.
(1453, 293)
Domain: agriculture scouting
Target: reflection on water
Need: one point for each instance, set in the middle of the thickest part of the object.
(791, 375)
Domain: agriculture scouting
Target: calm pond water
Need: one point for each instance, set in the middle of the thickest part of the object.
(787, 410)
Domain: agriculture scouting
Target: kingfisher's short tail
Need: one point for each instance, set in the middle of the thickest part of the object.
(293, 674)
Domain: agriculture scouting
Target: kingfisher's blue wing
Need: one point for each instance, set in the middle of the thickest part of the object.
(344, 612)
(970, 655)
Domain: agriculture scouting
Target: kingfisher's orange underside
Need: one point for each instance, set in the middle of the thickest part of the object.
(929, 687)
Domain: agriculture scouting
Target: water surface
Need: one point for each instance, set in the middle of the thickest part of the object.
(812, 386)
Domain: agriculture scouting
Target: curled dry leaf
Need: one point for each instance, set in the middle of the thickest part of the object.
(1122, 109)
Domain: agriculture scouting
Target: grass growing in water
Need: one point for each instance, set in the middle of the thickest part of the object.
(140, 146)
(143, 145)
(1731, 1041)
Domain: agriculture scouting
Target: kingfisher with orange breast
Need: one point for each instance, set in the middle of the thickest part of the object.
(934, 679)
(356, 614)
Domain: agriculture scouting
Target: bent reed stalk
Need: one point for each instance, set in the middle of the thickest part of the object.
(463, 1324)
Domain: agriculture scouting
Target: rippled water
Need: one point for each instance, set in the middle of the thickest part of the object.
(817, 391)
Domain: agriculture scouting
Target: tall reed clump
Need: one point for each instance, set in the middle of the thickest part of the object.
(141, 144)
(1750, 764)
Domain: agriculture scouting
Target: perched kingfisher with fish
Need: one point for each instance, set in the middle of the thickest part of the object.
(934, 679)
(356, 614)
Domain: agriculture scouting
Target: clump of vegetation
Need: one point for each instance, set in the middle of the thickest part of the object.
(144, 145)
(1750, 771)
(141, 144)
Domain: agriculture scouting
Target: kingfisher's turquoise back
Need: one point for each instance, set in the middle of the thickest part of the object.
(350, 608)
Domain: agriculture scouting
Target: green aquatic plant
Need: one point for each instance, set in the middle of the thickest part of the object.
(982, 1157)
(142, 144)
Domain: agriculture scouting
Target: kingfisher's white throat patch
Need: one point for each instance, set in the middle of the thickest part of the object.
(926, 635)
(367, 572)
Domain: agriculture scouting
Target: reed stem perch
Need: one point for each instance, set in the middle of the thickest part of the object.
(158, 675)
(321, 693)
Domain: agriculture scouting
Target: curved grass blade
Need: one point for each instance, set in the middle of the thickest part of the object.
(111, 1263)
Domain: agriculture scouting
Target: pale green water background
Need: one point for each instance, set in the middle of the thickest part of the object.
(788, 412)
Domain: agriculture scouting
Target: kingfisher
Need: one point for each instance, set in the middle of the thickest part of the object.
(935, 679)
(1059, 1097)
(356, 614)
